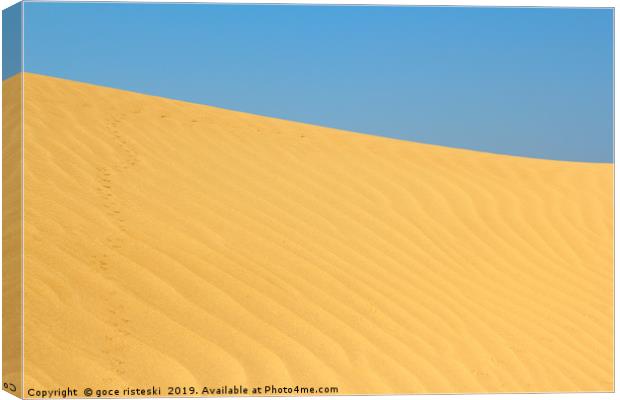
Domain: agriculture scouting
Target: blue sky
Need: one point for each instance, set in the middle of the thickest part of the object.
(11, 40)
(525, 81)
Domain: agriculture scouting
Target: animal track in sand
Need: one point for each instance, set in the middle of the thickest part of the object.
(109, 262)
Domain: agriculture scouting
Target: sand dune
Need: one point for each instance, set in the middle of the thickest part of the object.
(170, 243)
(11, 235)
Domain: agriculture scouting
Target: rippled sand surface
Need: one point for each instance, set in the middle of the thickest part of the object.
(170, 243)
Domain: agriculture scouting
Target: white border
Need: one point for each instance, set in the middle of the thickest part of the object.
(22, 205)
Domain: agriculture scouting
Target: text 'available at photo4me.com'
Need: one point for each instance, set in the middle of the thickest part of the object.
(179, 391)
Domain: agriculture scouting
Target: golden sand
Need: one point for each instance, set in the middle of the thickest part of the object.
(170, 243)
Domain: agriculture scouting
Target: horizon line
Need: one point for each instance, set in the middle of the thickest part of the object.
(381, 136)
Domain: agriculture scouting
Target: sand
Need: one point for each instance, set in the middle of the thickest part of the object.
(11, 235)
(170, 243)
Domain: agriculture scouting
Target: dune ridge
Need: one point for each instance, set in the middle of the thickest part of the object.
(171, 243)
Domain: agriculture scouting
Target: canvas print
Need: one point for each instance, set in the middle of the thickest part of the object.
(306, 200)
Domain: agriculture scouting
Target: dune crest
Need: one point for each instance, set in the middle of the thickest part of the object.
(170, 243)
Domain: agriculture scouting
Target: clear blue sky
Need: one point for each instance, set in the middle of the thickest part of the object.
(11, 40)
(525, 81)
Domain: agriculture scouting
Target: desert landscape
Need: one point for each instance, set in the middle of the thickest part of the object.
(171, 243)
